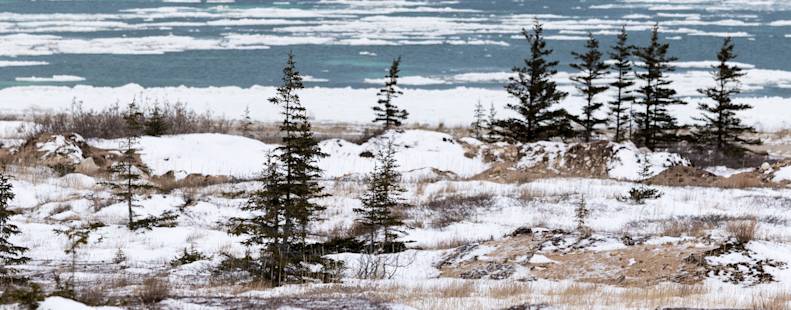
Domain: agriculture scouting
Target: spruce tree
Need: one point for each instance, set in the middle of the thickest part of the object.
(10, 254)
(78, 236)
(267, 227)
(390, 115)
(127, 180)
(592, 68)
(721, 127)
(536, 94)
(380, 201)
(155, 124)
(300, 151)
(620, 106)
(656, 127)
(478, 125)
(247, 121)
(290, 189)
(491, 125)
(641, 192)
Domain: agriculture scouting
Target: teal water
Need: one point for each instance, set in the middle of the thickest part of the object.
(342, 43)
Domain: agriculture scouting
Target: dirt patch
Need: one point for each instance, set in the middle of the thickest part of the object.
(559, 255)
(638, 265)
(684, 176)
(691, 176)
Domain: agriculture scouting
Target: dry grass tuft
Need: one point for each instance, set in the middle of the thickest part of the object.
(771, 302)
(691, 227)
(742, 230)
(153, 290)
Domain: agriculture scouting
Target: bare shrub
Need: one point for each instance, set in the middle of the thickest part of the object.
(89, 123)
(526, 194)
(456, 207)
(742, 230)
(457, 290)
(378, 267)
(153, 290)
(678, 227)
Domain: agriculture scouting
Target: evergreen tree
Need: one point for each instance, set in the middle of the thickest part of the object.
(656, 126)
(299, 153)
(267, 226)
(620, 106)
(581, 213)
(537, 94)
(247, 122)
(386, 112)
(127, 180)
(721, 127)
(641, 192)
(491, 125)
(78, 236)
(592, 68)
(289, 191)
(10, 254)
(378, 213)
(478, 125)
(155, 124)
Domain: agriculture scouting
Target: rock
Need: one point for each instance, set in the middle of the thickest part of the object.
(78, 180)
(87, 167)
(765, 168)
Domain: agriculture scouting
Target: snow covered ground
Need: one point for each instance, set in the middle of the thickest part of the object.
(433, 230)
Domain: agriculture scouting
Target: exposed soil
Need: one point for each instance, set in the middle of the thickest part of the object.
(558, 255)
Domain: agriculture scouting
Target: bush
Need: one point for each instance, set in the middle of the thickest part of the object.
(169, 119)
(187, 257)
(28, 296)
(743, 231)
(456, 208)
(153, 290)
(639, 194)
(166, 219)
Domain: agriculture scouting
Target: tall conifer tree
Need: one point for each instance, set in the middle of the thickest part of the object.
(656, 127)
(620, 105)
(128, 181)
(387, 113)
(537, 95)
(592, 68)
(478, 125)
(721, 127)
(290, 189)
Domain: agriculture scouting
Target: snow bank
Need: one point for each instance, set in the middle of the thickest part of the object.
(208, 154)
(782, 174)
(627, 161)
(415, 150)
(418, 151)
(60, 303)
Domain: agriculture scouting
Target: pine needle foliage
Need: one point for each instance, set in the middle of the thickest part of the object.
(624, 81)
(721, 127)
(387, 113)
(537, 96)
(591, 69)
(382, 201)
